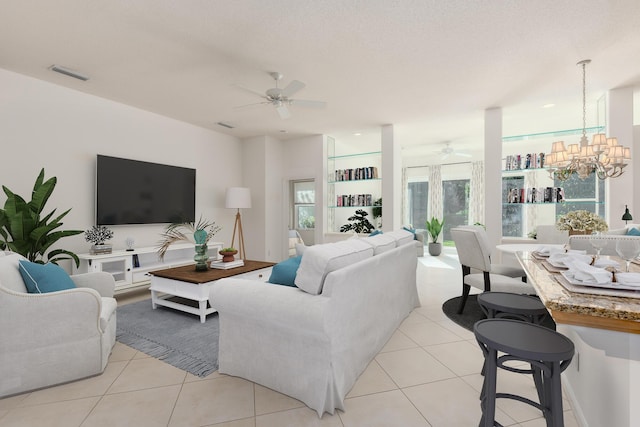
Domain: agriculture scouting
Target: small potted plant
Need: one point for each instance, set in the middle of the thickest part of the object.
(98, 235)
(227, 254)
(434, 227)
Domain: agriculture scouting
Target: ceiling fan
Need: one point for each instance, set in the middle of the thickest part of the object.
(448, 151)
(281, 99)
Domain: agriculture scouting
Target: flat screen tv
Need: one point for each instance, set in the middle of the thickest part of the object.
(137, 192)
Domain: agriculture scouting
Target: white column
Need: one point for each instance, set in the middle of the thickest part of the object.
(493, 174)
(391, 181)
(621, 190)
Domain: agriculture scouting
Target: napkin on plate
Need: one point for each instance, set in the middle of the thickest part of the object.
(560, 259)
(629, 279)
(548, 250)
(603, 263)
(587, 273)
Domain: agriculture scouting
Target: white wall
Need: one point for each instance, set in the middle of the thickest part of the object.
(263, 171)
(62, 130)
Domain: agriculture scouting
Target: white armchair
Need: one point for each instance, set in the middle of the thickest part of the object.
(53, 338)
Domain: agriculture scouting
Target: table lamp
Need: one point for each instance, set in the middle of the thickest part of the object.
(238, 198)
(627, 215)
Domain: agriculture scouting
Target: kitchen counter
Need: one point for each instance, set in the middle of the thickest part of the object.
(599, 311)
(603, 379)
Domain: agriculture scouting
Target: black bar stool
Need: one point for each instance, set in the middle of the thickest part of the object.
(548, 352)
(507, 305)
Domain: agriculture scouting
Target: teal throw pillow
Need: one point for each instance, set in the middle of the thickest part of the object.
(411, 230)
(375, 233)
(43, 278)
(633, 232)
(284, 273)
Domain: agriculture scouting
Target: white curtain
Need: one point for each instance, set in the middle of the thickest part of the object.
(435, 192)
(476, 193)
(405, 200)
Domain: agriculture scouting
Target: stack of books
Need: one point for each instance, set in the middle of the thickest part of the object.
(226, 265)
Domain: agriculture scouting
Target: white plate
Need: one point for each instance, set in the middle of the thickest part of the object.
(568, 276)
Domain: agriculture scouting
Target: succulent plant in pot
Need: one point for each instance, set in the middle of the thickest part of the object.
(228, 254)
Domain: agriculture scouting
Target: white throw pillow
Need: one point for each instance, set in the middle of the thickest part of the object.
(320, 260)
(10, 276)
(381, 243)
(402, 237)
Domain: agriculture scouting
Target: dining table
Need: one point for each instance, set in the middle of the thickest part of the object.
(603, 380)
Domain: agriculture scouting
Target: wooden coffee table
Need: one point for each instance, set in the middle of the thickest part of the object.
(185, 282)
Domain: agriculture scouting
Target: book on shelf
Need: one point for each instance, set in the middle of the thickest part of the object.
(226, 265)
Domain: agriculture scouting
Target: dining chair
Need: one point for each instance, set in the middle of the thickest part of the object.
(496, 268)
(473, 254)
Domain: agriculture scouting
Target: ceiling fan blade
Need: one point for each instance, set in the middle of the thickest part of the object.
(292, 88)
(463, 154)
(253, 104)
(251, 91)
(308, 103)
(283, 111)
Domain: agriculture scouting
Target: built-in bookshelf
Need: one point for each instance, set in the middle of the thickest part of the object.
(354, 181)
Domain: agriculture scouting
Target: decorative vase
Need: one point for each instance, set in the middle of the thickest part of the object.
(201, 257)
(435, 249)
(227, 256)
(580, 232)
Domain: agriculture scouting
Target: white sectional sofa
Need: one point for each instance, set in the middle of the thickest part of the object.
(312, 342)
(582, 242)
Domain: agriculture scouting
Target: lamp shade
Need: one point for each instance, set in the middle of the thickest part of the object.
(238, 198)
(627, 215)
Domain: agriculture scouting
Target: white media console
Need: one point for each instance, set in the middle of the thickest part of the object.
(131, 269)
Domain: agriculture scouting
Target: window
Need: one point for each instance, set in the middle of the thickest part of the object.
(455, 196)
(585, 195)
(512, 214)
(304, 208)
(418, 199)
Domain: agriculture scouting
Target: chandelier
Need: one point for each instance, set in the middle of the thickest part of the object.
(604, 156)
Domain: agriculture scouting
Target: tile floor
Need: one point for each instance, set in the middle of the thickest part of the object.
(427, 375)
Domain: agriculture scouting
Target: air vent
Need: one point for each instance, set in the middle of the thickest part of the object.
(226, 125)
(68, 72)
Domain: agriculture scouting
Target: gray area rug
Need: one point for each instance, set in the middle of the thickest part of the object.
(172, 336)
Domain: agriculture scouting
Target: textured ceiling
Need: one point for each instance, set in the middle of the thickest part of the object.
(430, 67)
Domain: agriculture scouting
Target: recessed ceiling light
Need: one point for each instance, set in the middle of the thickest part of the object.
(284, 131)
(548, 105)
(68, 72)
(357, 134)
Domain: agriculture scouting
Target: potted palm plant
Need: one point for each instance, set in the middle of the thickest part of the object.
(25, 229)
(434, 228)
(201, 232)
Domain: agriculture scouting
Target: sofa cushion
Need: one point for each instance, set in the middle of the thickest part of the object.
(375, 233)
(43, 278)
(617, 232)
(10, 276)
(284, 273)
(402, 237)
(319, 260)
(633, 232)
(380, 243)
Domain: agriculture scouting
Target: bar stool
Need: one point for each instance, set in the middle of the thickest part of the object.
(503, 304)
(548, 352)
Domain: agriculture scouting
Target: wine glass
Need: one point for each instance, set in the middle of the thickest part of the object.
(628, 249)
(598, 242)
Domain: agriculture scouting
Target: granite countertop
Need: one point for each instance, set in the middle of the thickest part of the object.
(591, 310)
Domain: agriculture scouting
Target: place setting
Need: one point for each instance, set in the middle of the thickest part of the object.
(584, 273)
